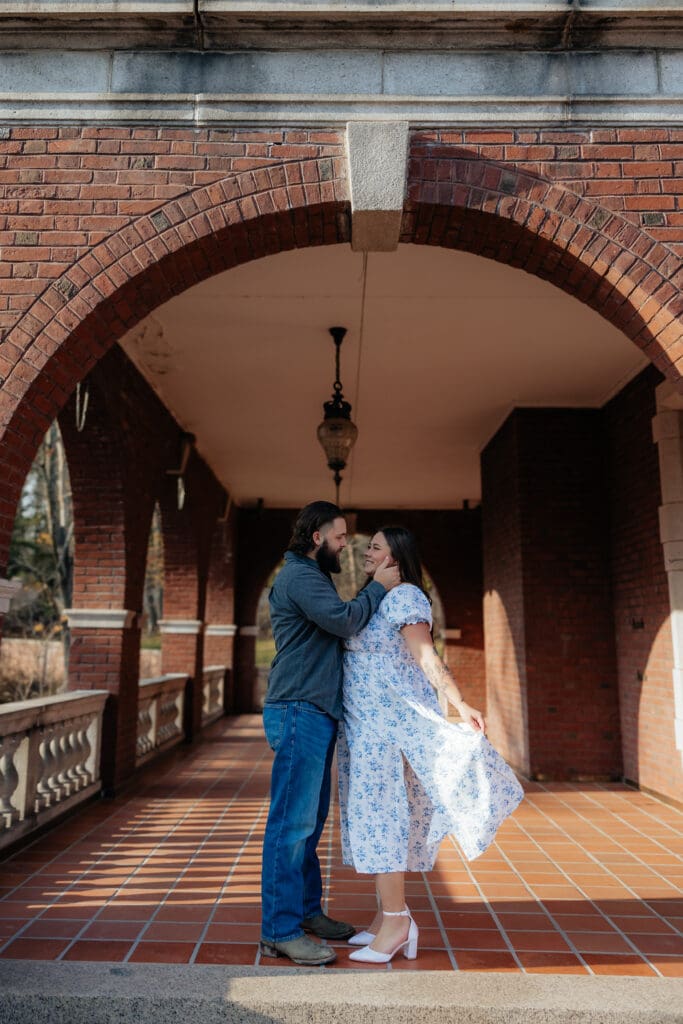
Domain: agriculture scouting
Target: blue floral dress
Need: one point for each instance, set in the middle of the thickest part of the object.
(408, 777)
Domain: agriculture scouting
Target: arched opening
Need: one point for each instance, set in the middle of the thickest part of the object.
(34, 652)
(516, 219)
(153, 600)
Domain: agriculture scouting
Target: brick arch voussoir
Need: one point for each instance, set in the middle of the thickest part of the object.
(510, 215)
(242, 217)
(74, 322)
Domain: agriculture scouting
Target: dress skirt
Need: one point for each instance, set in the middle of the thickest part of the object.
(407, 776)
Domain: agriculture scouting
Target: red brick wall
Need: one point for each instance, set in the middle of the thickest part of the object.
(100, 225)
(118, 466)
(581, 209)
(82, 262)
(506, 675)
(220, 595)
(636, 172)
(640, 592)
(570, 660)
(553, 564)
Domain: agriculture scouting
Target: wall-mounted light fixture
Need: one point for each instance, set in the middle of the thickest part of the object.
(186, 442)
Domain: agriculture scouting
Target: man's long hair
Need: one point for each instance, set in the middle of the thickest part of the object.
(311, 518)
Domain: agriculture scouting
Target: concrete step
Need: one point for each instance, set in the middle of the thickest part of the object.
(33, 992)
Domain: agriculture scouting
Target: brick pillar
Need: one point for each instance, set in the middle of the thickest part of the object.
(551, 667)
(182, 639)
(187, 534)
(111, 526)
(668, 434)
(220, 628)
(263, 535)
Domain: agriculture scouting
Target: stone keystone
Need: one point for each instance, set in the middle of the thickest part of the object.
(378, 155)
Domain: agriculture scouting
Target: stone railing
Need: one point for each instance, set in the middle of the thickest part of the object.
(213, 693)
(161, 704)
(49, 758)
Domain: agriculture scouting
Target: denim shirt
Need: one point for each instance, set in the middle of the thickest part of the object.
(309, 619)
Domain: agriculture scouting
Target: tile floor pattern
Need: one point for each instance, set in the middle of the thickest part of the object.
(584, 879)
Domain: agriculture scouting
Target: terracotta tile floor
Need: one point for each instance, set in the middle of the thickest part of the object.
(584, 879)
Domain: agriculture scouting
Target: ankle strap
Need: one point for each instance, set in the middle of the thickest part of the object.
(397, 913)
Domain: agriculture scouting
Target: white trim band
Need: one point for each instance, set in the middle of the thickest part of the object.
(184, 627)
(100, 618)
(303, 110)
(248, 631)
(220, 629)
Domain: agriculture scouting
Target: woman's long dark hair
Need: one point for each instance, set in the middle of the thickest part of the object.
(404, 550)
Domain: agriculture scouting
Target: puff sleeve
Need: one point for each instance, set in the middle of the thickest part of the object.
(405, 605)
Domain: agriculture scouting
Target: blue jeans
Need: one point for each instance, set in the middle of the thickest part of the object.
(303, 739)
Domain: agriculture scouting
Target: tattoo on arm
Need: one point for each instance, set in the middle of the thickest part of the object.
(441, 677)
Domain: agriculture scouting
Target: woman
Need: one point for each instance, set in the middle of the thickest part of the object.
(407, 777)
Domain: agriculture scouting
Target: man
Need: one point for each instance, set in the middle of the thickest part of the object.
(303, 706)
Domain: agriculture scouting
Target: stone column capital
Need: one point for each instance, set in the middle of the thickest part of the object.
(220, 629)
(184, 627)
(101, 618)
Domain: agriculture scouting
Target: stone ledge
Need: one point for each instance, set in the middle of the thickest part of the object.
(331, 86)
(76, 993)
(396, 24)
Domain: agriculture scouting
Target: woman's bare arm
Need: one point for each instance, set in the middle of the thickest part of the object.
(420, 644)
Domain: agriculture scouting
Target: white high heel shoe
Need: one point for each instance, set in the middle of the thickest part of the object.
(368, 955)
(364, 938)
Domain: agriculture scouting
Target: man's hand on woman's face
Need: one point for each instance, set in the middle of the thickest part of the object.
(386, 574)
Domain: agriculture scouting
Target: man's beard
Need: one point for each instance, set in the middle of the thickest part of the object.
(327, 560)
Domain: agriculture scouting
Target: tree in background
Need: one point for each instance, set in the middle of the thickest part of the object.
(41, 556)
(153, 599)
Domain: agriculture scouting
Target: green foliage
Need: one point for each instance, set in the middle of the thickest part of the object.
(41, 549)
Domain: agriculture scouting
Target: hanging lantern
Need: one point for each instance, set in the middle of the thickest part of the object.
(337, 433)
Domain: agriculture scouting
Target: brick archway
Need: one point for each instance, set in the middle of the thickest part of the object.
(455, 200)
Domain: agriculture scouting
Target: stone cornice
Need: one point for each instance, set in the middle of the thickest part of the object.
(391, 24)
(335, 86)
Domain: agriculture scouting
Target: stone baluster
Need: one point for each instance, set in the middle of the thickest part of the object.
(74, 756)
(48, 758)
(44, 791)
(168, 714)
(9, 780)
(84, 750)
(145, 723)
(63, 754)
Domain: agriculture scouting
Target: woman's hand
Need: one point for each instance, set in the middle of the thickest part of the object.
(471, 716)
